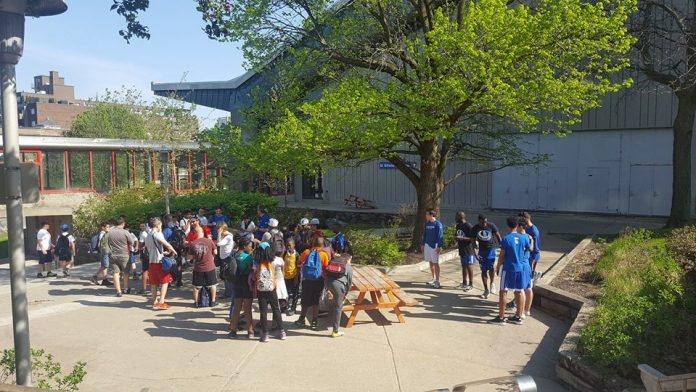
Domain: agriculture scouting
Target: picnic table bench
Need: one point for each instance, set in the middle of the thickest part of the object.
(359, 202)
(384, 294)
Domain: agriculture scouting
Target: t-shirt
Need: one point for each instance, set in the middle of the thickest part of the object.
(515, 245)
(226, 245)
(290, 265)
(155, 247)
(278, 267)
(534, 232)
(134, 240)
(218, 220)
(143, 236)
(466, 247)
(248, 227)
(119, 241)
(202, 252)
(486, 238)
(244, 264)
(323, 257)
(433, 234)
(71, 239)
(43, 238)
(203, 220)
(182, 224)
(192, 234)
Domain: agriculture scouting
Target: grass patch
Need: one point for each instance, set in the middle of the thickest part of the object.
(646, 312)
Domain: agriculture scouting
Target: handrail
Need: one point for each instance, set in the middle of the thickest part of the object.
(525, 383)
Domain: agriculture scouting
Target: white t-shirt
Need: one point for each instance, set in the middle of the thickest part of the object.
(143, 236)
(134, 240)
(154, 249)
(182, 225)
(203, 220)
(226, 245)
(43, 238)
(250, 228)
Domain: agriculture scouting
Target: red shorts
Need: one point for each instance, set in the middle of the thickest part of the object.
(157, 276)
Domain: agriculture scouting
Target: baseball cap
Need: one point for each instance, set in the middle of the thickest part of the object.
(304, 222)
(64, 227)
(314, 221)
(273, 222)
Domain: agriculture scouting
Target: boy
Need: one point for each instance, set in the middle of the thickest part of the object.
(433, 242)
(465, 240)
(65, 249)
(516, 273)
(533, 232)
(43, 246)
(488, 238)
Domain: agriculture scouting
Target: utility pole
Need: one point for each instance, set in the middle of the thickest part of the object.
(11, 47)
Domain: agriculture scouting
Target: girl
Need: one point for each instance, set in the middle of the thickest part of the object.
(291, 275)
(265, 280)
(281, 289)
(242, 291)
(226, 246)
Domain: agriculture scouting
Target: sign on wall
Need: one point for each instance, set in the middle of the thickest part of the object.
(391, 166)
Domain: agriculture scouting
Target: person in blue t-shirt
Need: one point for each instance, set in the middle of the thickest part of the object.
(514, 271)
(216, 220)
(533, 232)
(168, 229)
(433, 241)
(264, 220)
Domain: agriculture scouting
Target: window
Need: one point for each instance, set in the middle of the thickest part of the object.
(163, 167)
(144, 168)
(53, 168)
(101, 171)
(124, 169)
(30, 157)
(78, 165)
(197, 170)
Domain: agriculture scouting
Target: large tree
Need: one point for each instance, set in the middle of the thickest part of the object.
(666, 54)
(435, 80)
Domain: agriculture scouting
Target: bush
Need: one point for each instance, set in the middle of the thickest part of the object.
(681, 245)
(138, 205)
(45, 371)
(645, 313)
(375, 249)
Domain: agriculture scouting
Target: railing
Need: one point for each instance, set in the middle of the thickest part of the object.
(523, 382)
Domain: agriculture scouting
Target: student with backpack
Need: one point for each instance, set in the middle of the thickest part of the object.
(291, 274)
(103, 251)
(265, 281)
(242, 290)
(274, 237)
(339, 277)
(144, 257)
(204, 279)
(177, 239)
(312, 264)
(65, 249)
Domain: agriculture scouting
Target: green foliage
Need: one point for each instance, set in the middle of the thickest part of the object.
(46, 371)
(108, 120)
(681, 245)
(646, 312)
(138, 205)
(375, 249)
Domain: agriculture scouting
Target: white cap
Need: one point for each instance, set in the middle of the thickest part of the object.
(314, 221)
(273, 222)
(304, 222)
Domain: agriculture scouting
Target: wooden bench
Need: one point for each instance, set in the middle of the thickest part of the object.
(655, 381)
(359, 202)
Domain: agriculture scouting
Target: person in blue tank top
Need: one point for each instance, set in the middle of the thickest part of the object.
(433, 241)
(514, 271)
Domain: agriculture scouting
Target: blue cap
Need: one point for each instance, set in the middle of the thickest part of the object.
(64, 227)
(264, 245)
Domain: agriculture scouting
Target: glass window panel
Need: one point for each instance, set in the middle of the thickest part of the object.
(101, 171)
(182, 171)
(163, 166)
(143, 168)
(78, 162)
(30, 157)
(197, 169)
(124, 169)
(53, 167)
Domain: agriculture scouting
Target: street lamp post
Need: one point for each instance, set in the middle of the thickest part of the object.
(12, 13)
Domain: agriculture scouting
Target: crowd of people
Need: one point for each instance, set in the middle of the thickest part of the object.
(284, 266)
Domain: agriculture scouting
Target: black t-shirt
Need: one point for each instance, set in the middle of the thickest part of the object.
(466, 247)
(486, 236)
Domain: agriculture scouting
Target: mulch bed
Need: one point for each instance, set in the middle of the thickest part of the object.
(578, 276)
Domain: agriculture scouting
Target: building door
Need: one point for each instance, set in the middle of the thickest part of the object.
(593, 190)
(312, 187)
(650, 190)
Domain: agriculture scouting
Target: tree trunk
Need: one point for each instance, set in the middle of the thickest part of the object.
(428, 191)
(681, 159)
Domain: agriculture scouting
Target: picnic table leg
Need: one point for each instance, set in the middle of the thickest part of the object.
(397, 311)
(356, 309)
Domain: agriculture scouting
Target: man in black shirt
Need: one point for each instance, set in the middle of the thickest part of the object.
(465, 237)
(488, 238)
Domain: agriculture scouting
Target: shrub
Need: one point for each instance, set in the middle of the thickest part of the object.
(46, 372)
(369, 248)
(138, 205)
(681, 245)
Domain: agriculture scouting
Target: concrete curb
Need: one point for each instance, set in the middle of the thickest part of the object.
(553, 271)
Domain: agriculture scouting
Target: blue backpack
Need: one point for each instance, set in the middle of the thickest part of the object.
(311, 269)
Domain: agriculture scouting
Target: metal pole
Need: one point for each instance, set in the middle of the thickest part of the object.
(15, 225)
(165, 167)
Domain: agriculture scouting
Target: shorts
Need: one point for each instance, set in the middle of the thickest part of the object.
(242, 289)
(120, 263)
(68, 258)
(311, 291)
(535, 257)
(144, 264)
(515, 280)
(157, 276)
(45, 258)
(104, 261)
(487, 264)
(207, 279)
(133, 258)
(467, 260)
(430, 254)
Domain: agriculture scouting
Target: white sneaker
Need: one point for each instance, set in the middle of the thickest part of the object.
(461, 286)
(527, 313)
(431, 283)
(436, 285)
(537, 276)
(493, 289)
(468, 288)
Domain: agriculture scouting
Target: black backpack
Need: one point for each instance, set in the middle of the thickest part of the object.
(63, 247)
(177, 240)
(277, 243)
(228, 270)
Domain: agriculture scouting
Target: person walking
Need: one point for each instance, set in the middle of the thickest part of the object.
(120, 243)
(103, 253)
(157, 246)
(65, 249)
(487, 238)
(433, 241)
(44, 248)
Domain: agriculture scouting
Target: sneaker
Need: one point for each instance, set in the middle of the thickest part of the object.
(436, 285)
(497, 320)
(300, 322)
(283, 335)
(232, 335)
(265, 338)
(315, 325)
(39, 275)
(432, 282)
(485, 294)
(66, 273)
(50, 274)
(510, 305)
(515, 320)
(536, 276)
(250, 334)
(119, 294)
(462, 286)
(337, 334)
(179, 284)
(128, 291)
(527, 313)
(93, 279)
(141, 292)
(106, 282)
(213, 304)
(493, 289)
(289, 313)
(468, 288)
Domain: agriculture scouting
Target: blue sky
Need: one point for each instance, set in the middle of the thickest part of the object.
(83, 44)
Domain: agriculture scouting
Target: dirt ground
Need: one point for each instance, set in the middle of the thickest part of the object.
(577, 277)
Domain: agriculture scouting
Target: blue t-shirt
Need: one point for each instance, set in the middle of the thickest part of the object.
(167, 232)
(515, 245)
(263, 224)
(218, 220)
(433, 234)
(534, 232)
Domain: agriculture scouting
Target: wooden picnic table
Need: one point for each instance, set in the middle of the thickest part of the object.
(383, 291)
